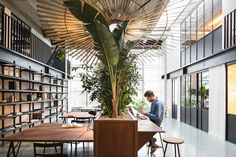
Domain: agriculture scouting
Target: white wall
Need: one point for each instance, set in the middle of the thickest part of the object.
(173, 50)
(217, 98)
(228, 6)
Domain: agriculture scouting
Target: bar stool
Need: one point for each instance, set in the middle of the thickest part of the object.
(175, 141)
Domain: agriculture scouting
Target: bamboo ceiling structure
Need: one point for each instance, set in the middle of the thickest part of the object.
(148, 20)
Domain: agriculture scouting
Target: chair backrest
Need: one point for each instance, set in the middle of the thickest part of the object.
(93, 113)
(39, 149)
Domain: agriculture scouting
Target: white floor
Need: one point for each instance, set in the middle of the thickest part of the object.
(197, 144)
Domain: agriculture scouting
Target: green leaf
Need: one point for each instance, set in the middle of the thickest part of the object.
(119, 31)
(108, 43)
(85, 12)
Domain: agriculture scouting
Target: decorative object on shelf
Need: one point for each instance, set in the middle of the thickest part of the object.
(55, 103)
(12, 98)
(41, 88)
(29, 98)
(13, 85)
(37, 115)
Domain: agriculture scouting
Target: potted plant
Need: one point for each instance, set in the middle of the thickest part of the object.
(112, 82)
(111, 48)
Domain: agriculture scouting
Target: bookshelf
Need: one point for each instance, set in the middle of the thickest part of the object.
(29, 97)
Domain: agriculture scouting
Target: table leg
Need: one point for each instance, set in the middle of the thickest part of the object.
(11, 150)
(64, 120)
(18, 148)
(161, 142)
(75, 149)
(71, 147)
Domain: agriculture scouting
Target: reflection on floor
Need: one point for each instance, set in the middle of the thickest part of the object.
(197, 144)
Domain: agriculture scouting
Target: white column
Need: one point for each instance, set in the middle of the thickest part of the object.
(217, 100)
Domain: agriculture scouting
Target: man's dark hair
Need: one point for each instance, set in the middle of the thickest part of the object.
(148, 93)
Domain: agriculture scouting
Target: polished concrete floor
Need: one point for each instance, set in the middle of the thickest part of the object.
(197, 144)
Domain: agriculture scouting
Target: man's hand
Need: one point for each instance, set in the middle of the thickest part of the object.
(142, 112)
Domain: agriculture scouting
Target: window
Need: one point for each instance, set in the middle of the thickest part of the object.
(175, 97)
(197, 31)
(194, 27)
(183, 30)
(193, 90)
(217, 14)
(188, 33)
(208, 16)
(203, 90)
(188, 40)
(200, 21)
(183, 45)
(183, 91)
(188, 92)
(193, 36)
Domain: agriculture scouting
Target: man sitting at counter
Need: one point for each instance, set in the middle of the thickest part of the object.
(155, 115)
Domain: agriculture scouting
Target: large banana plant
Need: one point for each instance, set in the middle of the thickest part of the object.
(109, 44)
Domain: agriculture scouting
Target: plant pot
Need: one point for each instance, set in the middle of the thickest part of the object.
(115, 137)
(121, 137)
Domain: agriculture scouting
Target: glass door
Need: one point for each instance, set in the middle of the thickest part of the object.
(231, 103)
(182, 100)
(204, 101)
(193, 92)
(175, 91)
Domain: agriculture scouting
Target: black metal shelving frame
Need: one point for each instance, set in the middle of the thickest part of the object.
(56, 86)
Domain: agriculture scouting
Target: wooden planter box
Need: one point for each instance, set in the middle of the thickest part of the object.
(115, 138)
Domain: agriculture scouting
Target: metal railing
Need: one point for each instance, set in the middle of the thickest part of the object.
(16, 35)
(230, 29)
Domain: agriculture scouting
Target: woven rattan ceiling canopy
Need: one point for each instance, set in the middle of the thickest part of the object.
(68, 33)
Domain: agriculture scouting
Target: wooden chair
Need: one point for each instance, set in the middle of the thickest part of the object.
(39, 150)
(175, 141)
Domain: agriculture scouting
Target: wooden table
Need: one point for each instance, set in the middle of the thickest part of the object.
(146, 130)
(90, 108)
(76, 115)
(48, 133)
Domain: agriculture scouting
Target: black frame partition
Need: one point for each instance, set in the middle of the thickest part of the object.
(194, 100)
(203, 101)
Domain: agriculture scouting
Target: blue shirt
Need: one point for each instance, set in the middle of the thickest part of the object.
(156, 112)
